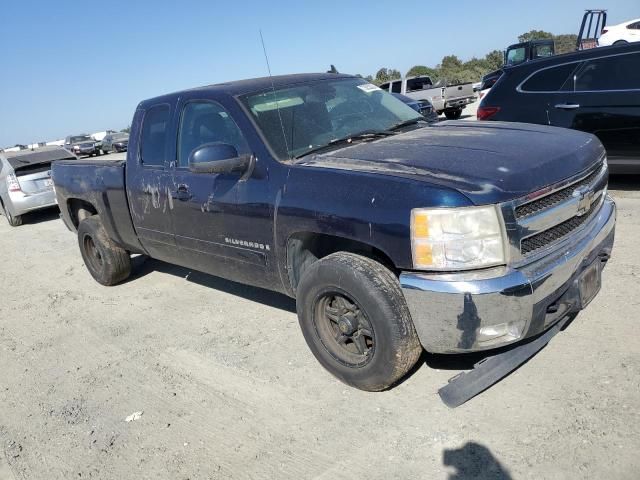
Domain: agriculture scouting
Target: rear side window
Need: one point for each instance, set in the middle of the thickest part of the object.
(516, 56)
(207, 122)
(618, 72)
(396, 87)
(154, 135)
(634, 26)
(550, 79)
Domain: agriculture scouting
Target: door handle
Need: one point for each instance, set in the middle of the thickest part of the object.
(567, 106)
(182, 193)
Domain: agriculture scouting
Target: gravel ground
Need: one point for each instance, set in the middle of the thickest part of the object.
(228, 388)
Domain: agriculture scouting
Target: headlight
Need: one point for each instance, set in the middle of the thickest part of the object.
(456, 238)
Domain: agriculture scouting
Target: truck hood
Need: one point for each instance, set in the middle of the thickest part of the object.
(489, 162)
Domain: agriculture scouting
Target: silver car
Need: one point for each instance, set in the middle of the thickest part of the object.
(25, 181)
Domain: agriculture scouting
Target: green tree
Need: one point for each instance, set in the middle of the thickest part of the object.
(534, 35)
(493, 60)
(418, 70)
(386, 74)
(126, 130)
(565, 43)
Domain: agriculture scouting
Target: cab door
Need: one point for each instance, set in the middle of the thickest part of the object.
(214, 229)
(148, 179)
(603, 98)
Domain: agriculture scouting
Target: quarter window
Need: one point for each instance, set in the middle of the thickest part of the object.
(550, 79)
(618, 72)
(207, 122)
(154, 135)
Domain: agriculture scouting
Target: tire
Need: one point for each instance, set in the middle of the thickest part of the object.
(13, 221)
(620, 42)
(356, 322)
(107, 263)
(453, 114)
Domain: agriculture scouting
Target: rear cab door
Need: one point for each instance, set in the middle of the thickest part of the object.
(602, 96)
(148, 179)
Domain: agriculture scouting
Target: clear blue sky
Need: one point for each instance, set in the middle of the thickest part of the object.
(80, 66)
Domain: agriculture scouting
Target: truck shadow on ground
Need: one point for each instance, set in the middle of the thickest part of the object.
(143, 265)
(474, 461)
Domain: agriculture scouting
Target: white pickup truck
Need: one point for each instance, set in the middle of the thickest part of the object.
(447, 99)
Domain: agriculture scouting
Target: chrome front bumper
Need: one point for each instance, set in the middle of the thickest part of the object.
(471, 311)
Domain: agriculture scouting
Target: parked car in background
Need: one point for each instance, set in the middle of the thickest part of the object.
(595, 90)
(25, 181)
(447, 99)
(82, 145)
(392, 234)
(115, 142)
(423, 107)
(622, 33)
(515, 55)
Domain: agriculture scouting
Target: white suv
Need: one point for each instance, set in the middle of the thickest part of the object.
(622, 33)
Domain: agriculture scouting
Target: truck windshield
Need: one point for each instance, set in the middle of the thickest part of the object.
(302, 118)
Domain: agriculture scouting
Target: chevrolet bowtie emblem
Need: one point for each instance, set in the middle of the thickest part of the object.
(585, 198)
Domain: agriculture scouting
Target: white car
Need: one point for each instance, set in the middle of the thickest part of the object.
(622, 33)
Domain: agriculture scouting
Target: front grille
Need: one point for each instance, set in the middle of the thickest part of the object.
(555, 198)
(556, 233)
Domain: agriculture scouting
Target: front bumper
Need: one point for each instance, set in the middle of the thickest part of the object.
(21, 203)
(451, 311)
(85, 151)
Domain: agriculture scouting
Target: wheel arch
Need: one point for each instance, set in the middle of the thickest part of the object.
(305, 248)
(79, 209)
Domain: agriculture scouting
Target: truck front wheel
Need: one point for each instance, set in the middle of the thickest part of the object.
(108, 263)
(454, 114)
(356, 322)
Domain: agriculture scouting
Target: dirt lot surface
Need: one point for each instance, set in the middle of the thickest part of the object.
(228, 388)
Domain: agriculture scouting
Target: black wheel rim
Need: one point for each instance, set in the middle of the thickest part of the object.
(344, 329)
(94, 258)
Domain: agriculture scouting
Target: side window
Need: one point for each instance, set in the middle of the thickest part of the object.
(207, 122)
(634, 26)
(516, 56)
(396, 87)
(550, 79)
(154, 135)
(618, 72)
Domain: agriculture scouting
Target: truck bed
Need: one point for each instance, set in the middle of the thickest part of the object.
(100, 184)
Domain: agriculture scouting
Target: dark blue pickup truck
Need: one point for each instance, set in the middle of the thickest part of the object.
(392, 234)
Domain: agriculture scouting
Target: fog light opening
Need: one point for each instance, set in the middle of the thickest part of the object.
(501, 332)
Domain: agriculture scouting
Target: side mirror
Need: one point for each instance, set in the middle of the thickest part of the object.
(218, 158)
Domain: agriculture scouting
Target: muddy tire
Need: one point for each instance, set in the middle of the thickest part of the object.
(356, 321)
(108, 263)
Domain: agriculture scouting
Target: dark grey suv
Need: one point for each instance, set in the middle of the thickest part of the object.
(596, 91)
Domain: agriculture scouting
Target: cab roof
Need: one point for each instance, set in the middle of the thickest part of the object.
(243, 87)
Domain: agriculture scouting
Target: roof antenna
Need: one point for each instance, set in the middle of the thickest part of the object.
(273, 88)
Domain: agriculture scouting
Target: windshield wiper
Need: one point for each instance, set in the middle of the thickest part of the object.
(406, 123)
(348, 139)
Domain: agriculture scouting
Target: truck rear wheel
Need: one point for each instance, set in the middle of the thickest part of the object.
(108, 263)
(454, 114)
(356, 322)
